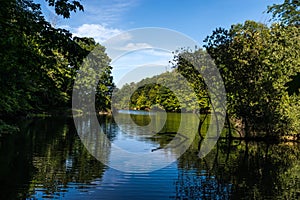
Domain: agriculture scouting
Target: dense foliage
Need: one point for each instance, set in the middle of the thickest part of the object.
(257, 64)
(168, 91)
(260, 68)
(38, 62)
(287, 13)
(94, 77)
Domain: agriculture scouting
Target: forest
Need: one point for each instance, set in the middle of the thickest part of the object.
(259, 65)
(148, 94)
(49, 150)
(39, 62)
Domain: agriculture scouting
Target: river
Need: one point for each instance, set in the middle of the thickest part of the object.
(48, 160)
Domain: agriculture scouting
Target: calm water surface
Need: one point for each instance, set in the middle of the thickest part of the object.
(47, 160)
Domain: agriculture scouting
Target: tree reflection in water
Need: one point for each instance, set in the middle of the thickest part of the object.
(240, 170)
(48, 160)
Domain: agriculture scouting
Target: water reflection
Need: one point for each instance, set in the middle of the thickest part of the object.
(48, 160)
(145, 157)
(241, 170)
(45, 160)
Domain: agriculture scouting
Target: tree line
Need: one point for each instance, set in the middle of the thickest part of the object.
(39, 62)
(260, 67)
(167, 91)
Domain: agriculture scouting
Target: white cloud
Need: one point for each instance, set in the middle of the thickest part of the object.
(159, 53)
(97, 31)
(121, 39)
(109, 11)
(135, 46)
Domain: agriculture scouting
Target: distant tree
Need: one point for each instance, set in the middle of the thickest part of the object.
(157, 92)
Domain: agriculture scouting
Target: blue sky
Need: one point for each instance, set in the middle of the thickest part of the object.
(103, 19)
(196, 18)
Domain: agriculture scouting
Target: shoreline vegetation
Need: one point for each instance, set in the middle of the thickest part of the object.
(259, 64)
(263, 136)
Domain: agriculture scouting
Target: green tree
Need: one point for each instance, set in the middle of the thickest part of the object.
(65, 7)
(37, 60)
(157, 92)
(256, 63)
(95, 74)
(39, 63)
(287, 13)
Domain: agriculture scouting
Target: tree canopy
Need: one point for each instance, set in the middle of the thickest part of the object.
(163, 91)
(38, 62)
(258, 63)
(287, 13)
